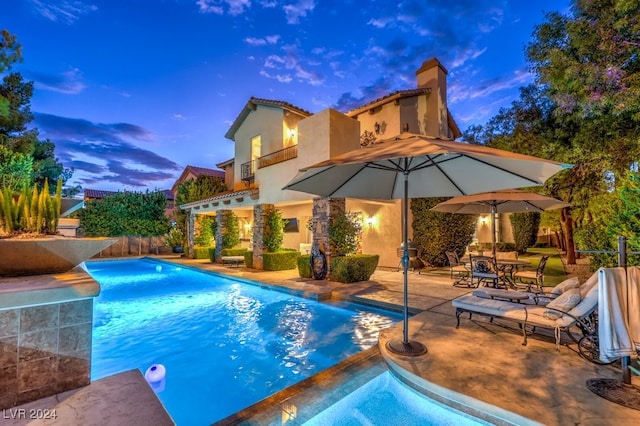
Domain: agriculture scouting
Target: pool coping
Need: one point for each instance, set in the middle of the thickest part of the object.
(300, 402)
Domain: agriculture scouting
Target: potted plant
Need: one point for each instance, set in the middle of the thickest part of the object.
(28, 234)
(175, 239)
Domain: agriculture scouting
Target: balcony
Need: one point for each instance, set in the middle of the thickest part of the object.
(278, 157)
(248, 169)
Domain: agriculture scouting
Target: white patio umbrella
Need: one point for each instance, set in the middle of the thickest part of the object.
(504, 201)
(434, 167)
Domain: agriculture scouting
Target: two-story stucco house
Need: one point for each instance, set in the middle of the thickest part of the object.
(274, 139)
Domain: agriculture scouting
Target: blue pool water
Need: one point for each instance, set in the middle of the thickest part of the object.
(225, 344)
(384, 400)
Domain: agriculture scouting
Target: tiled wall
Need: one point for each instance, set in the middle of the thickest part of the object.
(44, 350)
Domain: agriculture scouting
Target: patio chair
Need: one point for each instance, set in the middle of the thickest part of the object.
(531, 279)
(485, 270)
(457, 269)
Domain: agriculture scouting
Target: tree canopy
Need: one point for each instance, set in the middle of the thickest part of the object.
(584, 106)
(15, 117)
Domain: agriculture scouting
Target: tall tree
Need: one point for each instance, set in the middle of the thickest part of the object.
(584, 108)
(10, 53)
(15, 117)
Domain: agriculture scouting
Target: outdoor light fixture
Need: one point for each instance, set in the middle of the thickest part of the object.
(292, 133)
(370, 222)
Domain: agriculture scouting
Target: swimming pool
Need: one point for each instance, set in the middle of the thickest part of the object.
(225, 344)
(384, 400)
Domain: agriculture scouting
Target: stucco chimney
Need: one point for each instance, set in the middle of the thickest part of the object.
(434, 76)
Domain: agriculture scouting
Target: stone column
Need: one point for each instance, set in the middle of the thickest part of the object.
(259, 213)
(324, 209)
(221, 223)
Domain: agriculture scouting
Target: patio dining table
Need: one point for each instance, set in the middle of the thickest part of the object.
(508, 266)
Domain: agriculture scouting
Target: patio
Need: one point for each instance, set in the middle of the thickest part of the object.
(481, 360)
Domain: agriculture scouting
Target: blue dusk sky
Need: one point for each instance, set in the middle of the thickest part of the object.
(132, 91)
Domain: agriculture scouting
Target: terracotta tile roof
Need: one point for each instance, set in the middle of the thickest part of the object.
(251, 106)
(388, 98)
(204, 171)
(227, 195)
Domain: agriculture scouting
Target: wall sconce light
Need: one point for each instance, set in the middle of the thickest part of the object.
(292, 133)
(370, 222)
(482, 220)
(247, 227)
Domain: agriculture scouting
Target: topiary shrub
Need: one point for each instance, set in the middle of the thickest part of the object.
(274, 231)
(248, 258)
(304, 265)
(212, 254)
(201, 252)
(350, 269)
(281, 260)
(231, 233)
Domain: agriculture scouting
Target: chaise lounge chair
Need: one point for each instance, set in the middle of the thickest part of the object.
(579, 321)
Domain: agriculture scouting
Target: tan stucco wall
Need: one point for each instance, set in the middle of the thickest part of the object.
(385, 234)
(387, 116)
(319, 136)
(264, 121)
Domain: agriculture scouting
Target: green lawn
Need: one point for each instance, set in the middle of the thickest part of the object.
(554, 271)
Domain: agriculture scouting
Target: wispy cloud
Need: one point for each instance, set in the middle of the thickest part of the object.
(484, 89)
(219, 7)
(288, 66)
(69, 82)
(63, 11)
(298, 10)
(262, 41)
(106, 152)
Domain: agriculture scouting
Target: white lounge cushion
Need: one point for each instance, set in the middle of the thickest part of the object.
(565, 285)
(565, 303)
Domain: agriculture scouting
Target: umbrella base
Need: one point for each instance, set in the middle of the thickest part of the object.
(410, 348)
(616, 391)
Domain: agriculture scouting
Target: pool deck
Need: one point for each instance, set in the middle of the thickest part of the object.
(480, 360)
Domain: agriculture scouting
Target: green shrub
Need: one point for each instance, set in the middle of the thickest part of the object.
(205, 231)
(304, 265)
(349, 269)
(344, 233)
(212, 254)
(248, 258)
(280, 260)
(231, 233)
(233, 252)
(525, 229)
(437, 232)
(274, 231)
(201, 252)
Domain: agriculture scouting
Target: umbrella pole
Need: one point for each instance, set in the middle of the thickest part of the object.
(404, 346)
(493, 230)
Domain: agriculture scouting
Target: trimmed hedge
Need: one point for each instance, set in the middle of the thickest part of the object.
(233, 252)
(280, 260)
(304, 265)
(350, 269)
(201, 252)
(248, 258)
